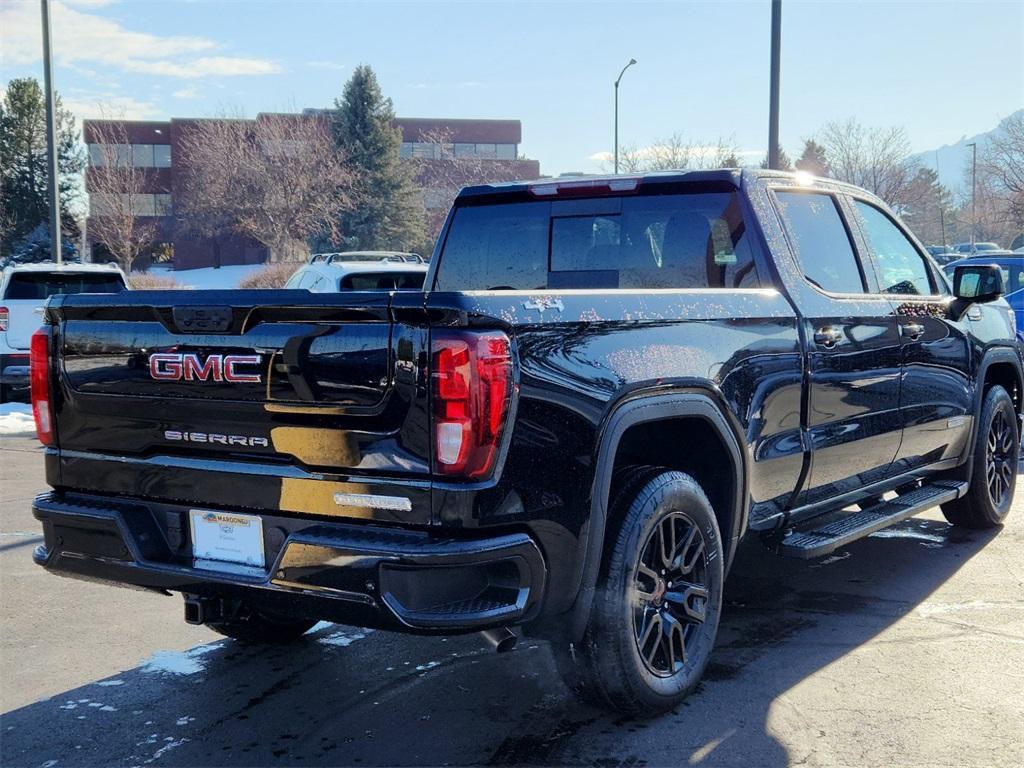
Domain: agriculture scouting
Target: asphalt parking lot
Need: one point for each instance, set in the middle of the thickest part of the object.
(904, 649)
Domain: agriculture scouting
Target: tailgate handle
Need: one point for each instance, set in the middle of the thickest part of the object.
(202, 319)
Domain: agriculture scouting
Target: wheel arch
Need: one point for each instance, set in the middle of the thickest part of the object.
(646, 410)
(999, 366)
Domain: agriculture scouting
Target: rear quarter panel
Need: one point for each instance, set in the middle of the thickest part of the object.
(580, 353)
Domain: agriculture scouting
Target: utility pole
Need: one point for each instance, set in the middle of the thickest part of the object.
(52, 178)
(631, 63)
(773, 98)
(942, 208)
(974, 193)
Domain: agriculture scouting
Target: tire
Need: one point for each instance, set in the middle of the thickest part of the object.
(3, 394)
(994, 473)
(256, 628)
(646, 644)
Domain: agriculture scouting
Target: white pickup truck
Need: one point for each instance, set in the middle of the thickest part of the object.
(24, 289)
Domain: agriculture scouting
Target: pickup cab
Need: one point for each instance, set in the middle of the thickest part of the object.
(604, 386)
(24, 289)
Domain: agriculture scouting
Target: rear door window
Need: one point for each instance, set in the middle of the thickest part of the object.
(41, 285)
(821, 241)
(654, 241)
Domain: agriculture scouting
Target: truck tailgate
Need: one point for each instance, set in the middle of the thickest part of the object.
(278, 400)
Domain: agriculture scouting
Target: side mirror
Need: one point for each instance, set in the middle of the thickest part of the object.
(977, 282)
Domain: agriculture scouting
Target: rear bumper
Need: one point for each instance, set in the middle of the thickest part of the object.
(14, 372)
(363, 575)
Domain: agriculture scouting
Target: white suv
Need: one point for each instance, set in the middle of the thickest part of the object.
(360, 271)
(24, 289)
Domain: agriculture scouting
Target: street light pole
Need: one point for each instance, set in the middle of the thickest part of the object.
(974, 193)
(52, 179)
(631, 63)
(773, 92)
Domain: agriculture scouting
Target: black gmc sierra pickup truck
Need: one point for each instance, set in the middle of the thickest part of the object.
(605, 384)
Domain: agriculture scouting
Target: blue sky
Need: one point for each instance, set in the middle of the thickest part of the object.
(941, 70)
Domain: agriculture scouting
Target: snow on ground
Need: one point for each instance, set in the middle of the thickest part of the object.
(208, 278)
(16, 419)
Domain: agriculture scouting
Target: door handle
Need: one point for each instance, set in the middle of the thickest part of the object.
(914, 330)
(827, 336)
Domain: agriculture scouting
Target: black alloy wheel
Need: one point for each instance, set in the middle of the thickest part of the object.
(1000, 458)
(670, 593)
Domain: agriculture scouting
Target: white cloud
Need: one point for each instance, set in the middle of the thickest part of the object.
(326, 65)
(86, 37)
(224, 66)
(189, 92)
(112, 106)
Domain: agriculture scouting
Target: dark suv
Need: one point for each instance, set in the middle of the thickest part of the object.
(604, 385)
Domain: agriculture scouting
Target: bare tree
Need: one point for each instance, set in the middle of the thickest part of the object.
(872, 158)
(279, 180)
(1001, 168)
(123, 209)
(442, 172)
(676, 152)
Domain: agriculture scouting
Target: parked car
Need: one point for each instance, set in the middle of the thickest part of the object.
(942, 254)
(605, 385)
(24, 289)
(975, 247)
(1011, 265)
(360, 271)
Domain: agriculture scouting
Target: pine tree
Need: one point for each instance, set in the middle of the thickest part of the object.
(813, 159)
(23, 167)
(785, 164)
(388, 213)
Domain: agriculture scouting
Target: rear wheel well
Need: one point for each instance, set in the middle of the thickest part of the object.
(1005, 376)
(688, 444)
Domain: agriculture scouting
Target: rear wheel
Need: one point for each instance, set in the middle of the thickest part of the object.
(656, 610)
(994, 475)
(250, 626)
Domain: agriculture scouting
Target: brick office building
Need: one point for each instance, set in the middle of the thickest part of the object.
(152, 146)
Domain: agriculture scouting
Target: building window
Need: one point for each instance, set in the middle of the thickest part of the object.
(505, 151)
(405, 150)
(142, 155)
(163, 204)
(161, 155)
(136, 155)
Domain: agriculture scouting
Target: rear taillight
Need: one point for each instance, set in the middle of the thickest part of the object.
(5, 315)
(39, 376)
(472, 390)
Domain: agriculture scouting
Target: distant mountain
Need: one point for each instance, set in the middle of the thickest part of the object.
(953, 160)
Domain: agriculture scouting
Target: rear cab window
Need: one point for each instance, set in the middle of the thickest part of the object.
(382, 281)
(41, 285)
(691, 240)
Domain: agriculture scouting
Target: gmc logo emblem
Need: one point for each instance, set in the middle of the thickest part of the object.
(174, 366)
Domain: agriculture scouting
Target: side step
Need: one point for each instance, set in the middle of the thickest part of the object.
(826, 533)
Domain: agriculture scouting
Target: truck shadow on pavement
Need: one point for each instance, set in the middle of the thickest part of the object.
(345, 696)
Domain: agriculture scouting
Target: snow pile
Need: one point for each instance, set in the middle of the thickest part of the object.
(208, 278)
(16, 419)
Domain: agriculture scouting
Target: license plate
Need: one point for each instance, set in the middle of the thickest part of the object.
(227, 537)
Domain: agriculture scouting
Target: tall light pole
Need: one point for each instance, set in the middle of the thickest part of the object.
(631, 63)
(52, 179)
(974, 192)
(942, 208)
(773, 89)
